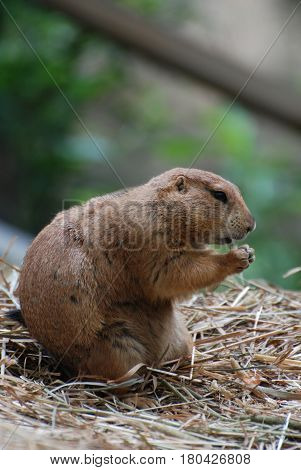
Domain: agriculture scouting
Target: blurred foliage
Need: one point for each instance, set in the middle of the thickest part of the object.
(47, 156)
(35, 119)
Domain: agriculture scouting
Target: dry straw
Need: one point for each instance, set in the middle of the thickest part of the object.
(239, 389)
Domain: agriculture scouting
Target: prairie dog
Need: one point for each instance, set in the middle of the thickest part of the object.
(99, 283)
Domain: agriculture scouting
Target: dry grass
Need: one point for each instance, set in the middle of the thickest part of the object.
(240, 389)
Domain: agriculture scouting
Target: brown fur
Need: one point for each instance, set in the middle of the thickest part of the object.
(99, 284)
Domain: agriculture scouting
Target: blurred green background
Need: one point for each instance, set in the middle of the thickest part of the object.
(144, 119)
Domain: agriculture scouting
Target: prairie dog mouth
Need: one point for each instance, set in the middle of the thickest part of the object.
(224, 241)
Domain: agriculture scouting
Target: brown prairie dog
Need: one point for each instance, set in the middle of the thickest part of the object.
(99, 283)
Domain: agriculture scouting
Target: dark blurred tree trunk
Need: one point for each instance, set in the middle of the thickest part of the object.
(192, 60)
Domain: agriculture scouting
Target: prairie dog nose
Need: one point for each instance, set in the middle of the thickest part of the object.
(252, 225)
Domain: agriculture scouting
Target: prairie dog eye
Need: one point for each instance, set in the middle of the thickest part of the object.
(220, 196)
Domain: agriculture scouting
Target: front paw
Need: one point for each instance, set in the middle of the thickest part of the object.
(241, 258)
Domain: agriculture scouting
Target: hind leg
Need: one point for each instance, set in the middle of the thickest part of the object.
(179, 339)
(112, 358)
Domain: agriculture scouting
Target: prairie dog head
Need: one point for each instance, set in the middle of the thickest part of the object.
(210, 209)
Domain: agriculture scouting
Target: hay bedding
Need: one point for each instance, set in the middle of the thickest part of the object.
(240, 389)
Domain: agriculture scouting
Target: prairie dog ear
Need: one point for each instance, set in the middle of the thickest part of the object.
(181, 184)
